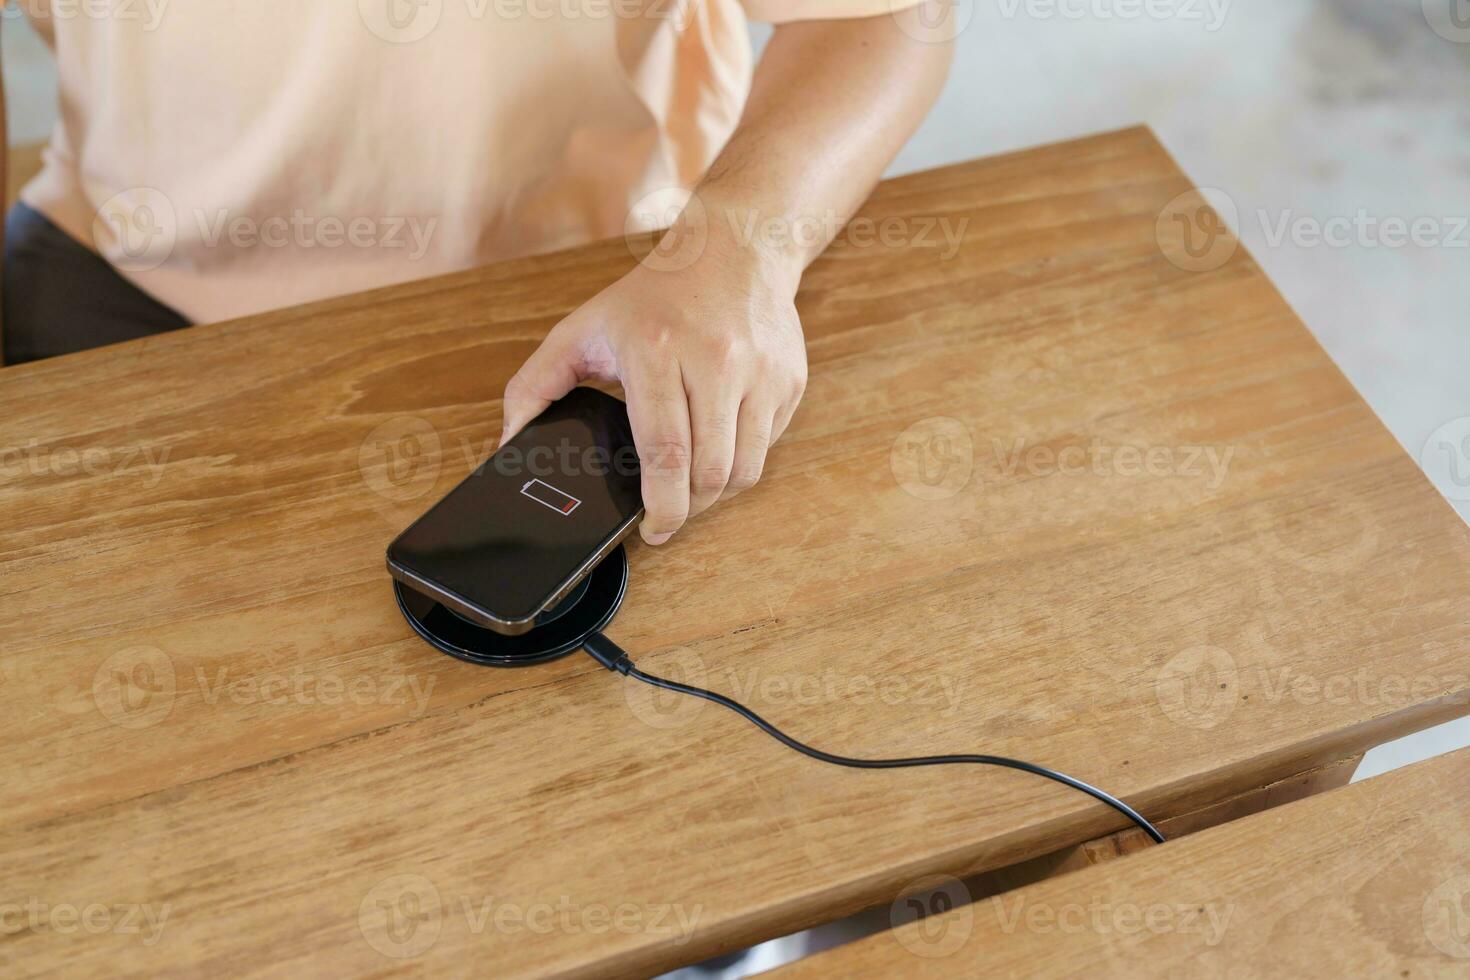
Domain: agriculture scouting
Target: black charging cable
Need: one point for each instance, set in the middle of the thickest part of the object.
(613, 657)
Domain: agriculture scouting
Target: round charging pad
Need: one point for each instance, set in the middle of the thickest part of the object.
(558, 631)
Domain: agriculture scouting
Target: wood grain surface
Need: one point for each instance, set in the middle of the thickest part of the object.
(994, 525)
(23, 163)
(1372, 880)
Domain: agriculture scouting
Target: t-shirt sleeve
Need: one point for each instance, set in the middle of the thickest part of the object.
(780, 11)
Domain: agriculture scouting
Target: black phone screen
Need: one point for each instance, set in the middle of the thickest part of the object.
(520, 530)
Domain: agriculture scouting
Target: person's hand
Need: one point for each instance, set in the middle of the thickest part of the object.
(713, 363)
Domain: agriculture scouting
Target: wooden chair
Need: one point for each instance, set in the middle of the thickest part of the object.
(23, 162)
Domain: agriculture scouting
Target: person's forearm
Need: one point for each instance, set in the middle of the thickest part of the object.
(831, 104)
(710, 351)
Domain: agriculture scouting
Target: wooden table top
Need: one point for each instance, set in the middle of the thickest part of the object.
(994, 525)
(1371, 880)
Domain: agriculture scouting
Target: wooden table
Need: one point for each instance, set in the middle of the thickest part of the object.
(993, 526)
(1371, 880)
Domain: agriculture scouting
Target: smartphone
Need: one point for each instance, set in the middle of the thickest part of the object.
(528, 525)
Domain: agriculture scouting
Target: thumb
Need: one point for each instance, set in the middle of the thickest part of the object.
(549, 373)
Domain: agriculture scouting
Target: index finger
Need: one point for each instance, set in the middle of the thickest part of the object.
(658, 409)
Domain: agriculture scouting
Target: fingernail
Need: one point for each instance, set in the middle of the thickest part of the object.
(657, 539)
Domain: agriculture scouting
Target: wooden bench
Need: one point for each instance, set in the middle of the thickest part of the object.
(1369, 880)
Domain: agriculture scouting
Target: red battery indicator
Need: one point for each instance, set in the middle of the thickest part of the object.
(549, 496)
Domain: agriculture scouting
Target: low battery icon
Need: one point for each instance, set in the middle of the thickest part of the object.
(548, 495)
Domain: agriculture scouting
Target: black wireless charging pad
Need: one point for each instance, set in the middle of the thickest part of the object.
(558, 631)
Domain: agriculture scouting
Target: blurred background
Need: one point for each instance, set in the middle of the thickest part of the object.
(1327, 126)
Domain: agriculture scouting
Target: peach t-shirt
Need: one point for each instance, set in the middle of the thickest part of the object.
(235, 157)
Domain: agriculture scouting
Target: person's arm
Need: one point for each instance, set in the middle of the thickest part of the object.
(711, 355)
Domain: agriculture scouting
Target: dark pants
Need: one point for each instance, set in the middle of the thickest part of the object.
(61, 297)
